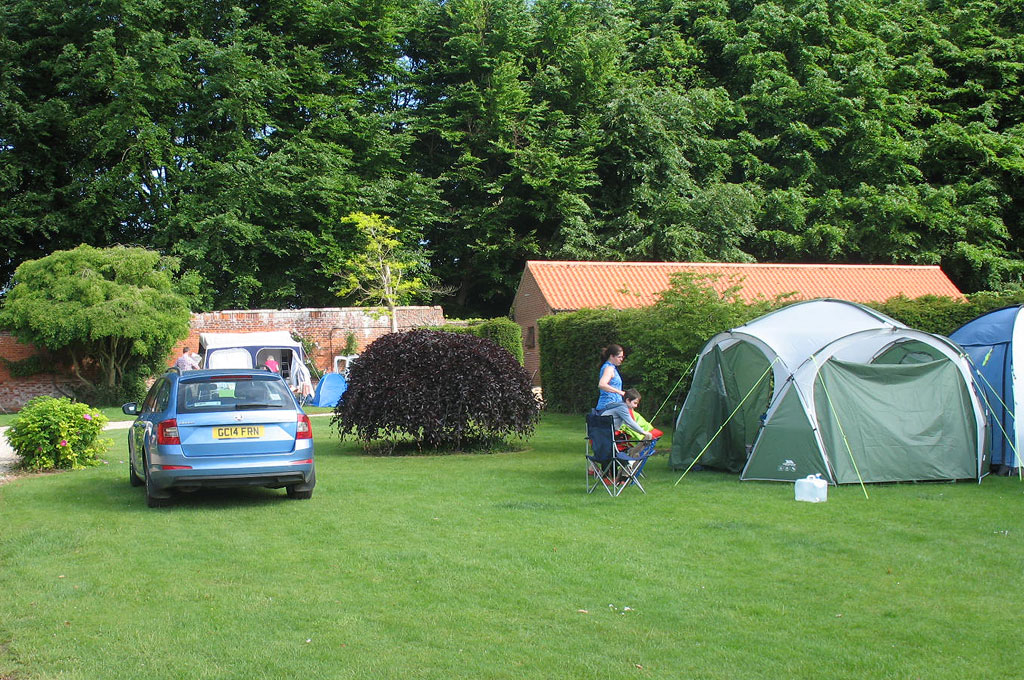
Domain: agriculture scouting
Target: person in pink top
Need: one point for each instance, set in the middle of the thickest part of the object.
(272, 364)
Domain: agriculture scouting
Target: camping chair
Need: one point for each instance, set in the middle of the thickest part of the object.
(600, 452)
(606, 465)
(629, 465)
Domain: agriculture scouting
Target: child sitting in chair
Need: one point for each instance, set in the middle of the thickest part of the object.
(629, 436)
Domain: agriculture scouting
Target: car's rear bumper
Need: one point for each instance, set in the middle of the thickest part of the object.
(274, 480)
(181, 472)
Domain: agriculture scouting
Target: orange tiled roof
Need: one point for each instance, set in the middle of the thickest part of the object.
(578, 285)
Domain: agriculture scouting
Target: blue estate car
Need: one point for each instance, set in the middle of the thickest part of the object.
(223, 427)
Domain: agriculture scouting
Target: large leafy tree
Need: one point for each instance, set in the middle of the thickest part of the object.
(232, 135)
(236, 135)
(116, 309)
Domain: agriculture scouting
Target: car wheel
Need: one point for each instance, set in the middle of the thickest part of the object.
(151, 500)
(302, 492)
(298, 495)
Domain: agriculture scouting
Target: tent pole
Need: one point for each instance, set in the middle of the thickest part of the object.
(742, 401)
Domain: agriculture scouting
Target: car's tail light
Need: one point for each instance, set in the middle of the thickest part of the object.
(303, 428)
(175, 467)
(167, 432)
(308, 461)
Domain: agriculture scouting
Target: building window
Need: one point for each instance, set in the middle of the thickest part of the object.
(531, 337)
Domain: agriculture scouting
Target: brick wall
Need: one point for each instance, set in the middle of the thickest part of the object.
(528, 306)
(327, 327)
(14, 392)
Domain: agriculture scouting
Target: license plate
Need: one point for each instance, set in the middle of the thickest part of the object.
(238, 432)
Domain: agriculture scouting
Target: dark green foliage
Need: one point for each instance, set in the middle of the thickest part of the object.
(503, 331)
(236, 135)
(944, 315)
(33, 365)
(440, 389)
(930, 313)
(570, 350)
(662, 341)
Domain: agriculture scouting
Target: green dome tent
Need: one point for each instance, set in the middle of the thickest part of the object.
(833, 388)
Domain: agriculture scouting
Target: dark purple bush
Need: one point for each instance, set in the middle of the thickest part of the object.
(444, 390)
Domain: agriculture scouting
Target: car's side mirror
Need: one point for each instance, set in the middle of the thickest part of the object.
(130, 409)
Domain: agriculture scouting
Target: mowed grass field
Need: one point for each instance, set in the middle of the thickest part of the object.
(501, 566)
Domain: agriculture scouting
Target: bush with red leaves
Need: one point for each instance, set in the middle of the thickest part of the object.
(442, 390)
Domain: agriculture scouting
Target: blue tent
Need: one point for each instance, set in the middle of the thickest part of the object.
(995, 343)
(329, 390)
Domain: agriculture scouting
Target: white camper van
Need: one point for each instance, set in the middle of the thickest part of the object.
(250, 350)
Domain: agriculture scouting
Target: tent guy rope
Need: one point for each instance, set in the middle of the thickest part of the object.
(686, 372)
(988, 405)
(715, 436)
(842, 432)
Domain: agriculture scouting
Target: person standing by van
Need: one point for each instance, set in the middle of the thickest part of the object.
(185, 362)
(303, 383)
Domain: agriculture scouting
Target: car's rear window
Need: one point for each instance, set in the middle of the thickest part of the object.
(233, 394)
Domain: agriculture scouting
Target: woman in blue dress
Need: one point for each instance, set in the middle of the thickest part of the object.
(609, 385)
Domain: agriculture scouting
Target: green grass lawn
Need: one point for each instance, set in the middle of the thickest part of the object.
(501, 566)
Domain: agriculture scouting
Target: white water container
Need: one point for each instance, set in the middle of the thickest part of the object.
(812, 489)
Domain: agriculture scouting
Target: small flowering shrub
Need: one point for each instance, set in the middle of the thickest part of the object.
(57, 433)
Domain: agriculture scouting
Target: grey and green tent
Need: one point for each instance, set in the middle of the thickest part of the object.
(834, 388)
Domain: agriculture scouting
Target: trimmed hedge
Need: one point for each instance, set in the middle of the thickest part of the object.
(944, 315)
(662, 341)
(502, 331)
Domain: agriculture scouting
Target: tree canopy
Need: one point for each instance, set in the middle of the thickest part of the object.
(116, 309)
(237, 135)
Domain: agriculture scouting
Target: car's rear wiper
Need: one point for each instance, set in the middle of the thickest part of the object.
(246, 407)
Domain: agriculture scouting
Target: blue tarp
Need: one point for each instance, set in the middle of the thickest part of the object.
(988, 340)
(329, 390)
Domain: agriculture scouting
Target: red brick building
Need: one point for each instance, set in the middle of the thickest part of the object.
(328, 328)
(552, 287)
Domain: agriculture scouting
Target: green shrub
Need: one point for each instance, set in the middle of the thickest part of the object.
(439, 389)
(662, 340)
(503, 331)
(929, 313)
(944, 315)
(53, 433)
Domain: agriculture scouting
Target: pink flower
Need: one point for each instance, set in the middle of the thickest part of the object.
(63, 442)
(87, 416)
